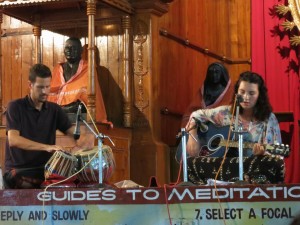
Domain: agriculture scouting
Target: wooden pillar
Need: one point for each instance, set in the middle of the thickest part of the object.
(1, 111)
(148, 154)
(127, 68)
(37, 32)
(91, 12)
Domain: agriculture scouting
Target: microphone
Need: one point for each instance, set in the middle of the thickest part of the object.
(77, 126)
(203, 127)
(239, 98)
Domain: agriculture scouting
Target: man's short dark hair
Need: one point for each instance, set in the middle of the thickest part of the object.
(39, 70)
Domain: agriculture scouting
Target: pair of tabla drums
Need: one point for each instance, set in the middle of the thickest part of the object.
(84, 163)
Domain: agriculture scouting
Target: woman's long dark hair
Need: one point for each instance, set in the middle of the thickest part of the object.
(262, 108)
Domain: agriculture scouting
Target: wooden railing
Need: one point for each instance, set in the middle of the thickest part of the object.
(166, 111)
(205, 51)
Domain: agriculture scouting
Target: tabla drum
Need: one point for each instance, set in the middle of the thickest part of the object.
(60, 165)
(88, 164)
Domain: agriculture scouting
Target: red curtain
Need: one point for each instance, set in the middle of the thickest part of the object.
(278, 62)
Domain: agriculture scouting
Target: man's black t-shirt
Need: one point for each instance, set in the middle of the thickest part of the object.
(39, 126)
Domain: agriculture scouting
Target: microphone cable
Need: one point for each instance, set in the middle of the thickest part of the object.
(224, 158)
(177, 180)
(79, 171)
(89, 114)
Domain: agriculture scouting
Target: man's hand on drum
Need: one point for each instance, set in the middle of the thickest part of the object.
(53, 148)
(85, 142)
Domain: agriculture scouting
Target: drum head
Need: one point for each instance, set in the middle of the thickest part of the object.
(88, 164)
(60, 165)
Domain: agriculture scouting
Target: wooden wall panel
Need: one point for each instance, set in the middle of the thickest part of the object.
(111, 76)
(17, 49)
(27, 61)
(58, 55)
(16, 68)
(47, 49)
(2, 146)
(6, 71)
(27, 52)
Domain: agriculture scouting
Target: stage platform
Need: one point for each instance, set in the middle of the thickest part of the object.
(193, 205)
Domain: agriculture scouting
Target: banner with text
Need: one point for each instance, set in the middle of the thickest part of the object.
(177, 206)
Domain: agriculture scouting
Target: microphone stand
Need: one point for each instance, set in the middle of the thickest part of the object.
(184, 162)
(184, 159)
(238, 129)
(100, 138)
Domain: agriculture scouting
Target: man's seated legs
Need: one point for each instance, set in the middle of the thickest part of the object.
(23, 178)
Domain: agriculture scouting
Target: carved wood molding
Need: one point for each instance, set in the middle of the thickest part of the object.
(6, 32)
(205, 51)
(15, 2)
(140, 63)
(120, 4)
(68, 16)
(141, 72)
(157, 7)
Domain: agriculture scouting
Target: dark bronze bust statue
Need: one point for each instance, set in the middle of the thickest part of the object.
(72, 52)
(215, 82)
(215, 90)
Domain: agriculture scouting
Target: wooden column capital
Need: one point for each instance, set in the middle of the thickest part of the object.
(126, 22)
(37, 31)
(91, 7)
